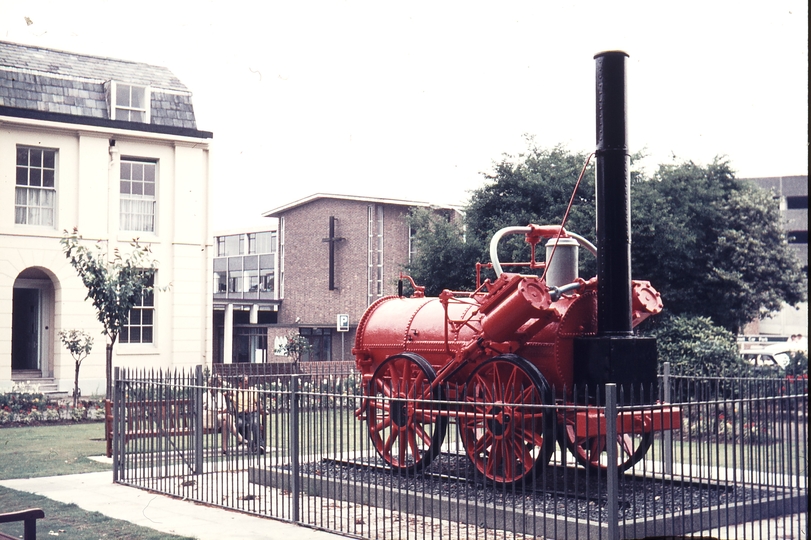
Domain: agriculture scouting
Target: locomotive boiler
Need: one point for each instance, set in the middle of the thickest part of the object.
(503, 361)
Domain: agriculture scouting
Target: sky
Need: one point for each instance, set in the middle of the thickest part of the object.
(418, 100)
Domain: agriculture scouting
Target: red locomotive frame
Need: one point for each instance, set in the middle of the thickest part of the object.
(490, 360)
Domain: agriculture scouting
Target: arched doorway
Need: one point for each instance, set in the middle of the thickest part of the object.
(32, 324)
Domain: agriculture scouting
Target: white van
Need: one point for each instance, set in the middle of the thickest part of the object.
(774, 355)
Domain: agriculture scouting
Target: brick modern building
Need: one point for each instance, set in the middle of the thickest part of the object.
(336, 254)
(111, 147)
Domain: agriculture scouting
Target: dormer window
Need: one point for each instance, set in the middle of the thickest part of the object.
(131, 103)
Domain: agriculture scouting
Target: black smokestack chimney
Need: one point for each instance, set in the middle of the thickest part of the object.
(613, 197)
(614, 355)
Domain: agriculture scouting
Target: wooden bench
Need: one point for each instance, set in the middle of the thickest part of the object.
(29, 517)
(145, 419)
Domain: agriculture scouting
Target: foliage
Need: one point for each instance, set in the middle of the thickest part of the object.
(294, 346)
(798, 364)
(114, 285)
(79, 343)
(443, 260)
(23, 406)
(535, 187)
(741, 421)
(696, 347)
(314, 393)
(22, 402)
(712, 245)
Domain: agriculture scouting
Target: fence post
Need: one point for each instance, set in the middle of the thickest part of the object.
(294, 447)
(668, 434)
(197, 403)
(612, 471)
(117, 423)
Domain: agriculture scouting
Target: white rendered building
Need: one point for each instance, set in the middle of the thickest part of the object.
(110, 147)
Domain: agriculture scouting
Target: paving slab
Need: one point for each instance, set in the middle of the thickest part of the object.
(97, 492)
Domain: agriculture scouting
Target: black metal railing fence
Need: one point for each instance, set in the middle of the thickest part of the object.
(728, 457)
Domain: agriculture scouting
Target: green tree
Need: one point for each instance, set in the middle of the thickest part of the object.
(712, 244)
(79, 343)
(534, 187)
(114, 285)
(295, 346)
(442, 260)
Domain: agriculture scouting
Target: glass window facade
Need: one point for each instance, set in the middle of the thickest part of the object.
(245, 266)
(321, 341)
(374, 272)
(250, 345)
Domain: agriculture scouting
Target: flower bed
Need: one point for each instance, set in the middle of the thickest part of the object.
(26, 406)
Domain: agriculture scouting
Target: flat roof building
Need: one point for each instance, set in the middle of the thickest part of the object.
(792, 193)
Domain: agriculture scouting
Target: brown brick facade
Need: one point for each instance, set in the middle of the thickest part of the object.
(307, 300)
(302, 300)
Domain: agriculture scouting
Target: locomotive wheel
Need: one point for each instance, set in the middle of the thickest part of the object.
(591, 452)
(404, 428)
(506, 436)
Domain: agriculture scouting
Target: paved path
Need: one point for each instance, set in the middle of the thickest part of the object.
(96, 492)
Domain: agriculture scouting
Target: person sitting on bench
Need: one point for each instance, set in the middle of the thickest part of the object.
(248, 411)
(217, 415)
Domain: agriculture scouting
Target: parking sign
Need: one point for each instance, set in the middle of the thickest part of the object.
(343, 322)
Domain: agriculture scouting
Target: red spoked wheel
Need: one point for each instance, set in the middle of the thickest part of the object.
(506, 433)
(592, 452)
(405, 426)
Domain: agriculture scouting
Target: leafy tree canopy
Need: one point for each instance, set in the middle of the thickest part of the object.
(535, 187)
(114, 285)
(443, 259)
(712, 244)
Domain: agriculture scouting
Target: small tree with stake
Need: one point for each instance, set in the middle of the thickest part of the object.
(79, 343)
(114, 285)
(295, 345)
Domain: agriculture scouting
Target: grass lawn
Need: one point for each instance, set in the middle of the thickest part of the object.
(30, 452)
(70, 521)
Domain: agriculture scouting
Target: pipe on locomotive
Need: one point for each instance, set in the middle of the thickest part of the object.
(525, 230)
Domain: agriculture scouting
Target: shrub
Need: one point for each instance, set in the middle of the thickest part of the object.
(695, 347)
(798, 364)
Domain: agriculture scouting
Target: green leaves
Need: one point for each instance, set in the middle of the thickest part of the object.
(712, 245)
(294, 346)
(114, 286)
(696, 347)
(78, 343)
(442, 259)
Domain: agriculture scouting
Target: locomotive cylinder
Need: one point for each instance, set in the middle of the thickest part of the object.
(528, 301)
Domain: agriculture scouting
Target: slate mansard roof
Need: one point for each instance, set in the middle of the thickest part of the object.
(62, 86)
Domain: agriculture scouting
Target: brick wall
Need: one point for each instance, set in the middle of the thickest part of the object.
(306, 266)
